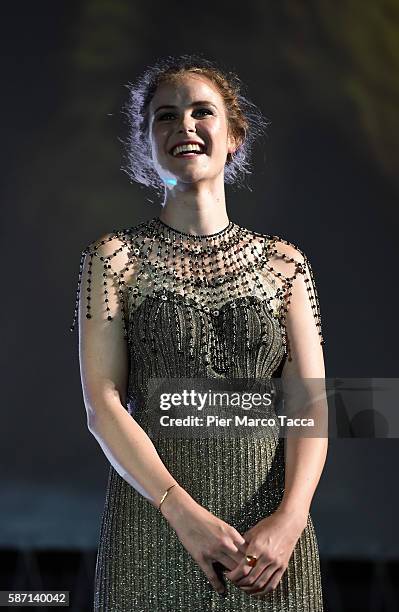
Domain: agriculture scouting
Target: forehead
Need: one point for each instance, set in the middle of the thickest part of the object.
(184, 91)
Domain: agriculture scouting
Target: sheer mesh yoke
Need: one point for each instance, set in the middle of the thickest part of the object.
(204, 307)
(231, 268)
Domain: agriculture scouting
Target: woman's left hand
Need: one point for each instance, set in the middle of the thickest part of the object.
(272, 541)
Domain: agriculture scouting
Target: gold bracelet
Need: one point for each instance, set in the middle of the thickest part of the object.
(165, 494)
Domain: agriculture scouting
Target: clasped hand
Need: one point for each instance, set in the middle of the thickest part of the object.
(271, 541)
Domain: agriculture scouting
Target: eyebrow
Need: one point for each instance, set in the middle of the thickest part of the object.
(198, 103)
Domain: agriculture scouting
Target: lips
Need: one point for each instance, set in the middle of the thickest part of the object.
(186, 142)
(186, 154)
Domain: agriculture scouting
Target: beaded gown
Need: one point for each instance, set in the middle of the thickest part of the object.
(188, 306)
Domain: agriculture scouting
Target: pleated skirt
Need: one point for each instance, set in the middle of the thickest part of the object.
(142, 565)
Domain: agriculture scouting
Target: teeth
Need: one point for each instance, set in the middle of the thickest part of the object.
(189, 147)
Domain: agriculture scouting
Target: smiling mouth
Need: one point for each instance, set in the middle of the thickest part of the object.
(189, 151)
(188, 154)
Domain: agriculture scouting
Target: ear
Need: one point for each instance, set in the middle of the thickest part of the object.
(232, 144)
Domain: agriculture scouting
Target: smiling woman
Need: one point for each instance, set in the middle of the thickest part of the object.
(246, 121)
(193, 295)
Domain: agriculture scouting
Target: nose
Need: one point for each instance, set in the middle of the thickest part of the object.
(187, 129)
(187, 124)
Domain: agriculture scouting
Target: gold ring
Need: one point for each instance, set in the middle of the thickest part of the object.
(251, 560)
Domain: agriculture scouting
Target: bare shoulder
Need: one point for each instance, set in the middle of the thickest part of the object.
(113, 249)
(286, 258)
(292, 266)
(106, 264)
(287, 249)
(109, 244)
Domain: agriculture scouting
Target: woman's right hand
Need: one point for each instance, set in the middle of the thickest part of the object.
(206, 537)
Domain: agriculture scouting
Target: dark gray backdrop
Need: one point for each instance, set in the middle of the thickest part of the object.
(324, 178)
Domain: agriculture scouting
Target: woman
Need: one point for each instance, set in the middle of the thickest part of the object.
(190, 522)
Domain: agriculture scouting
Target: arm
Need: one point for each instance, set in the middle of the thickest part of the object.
(103, 357)
(104, 368)
(304, 373)
(274, 537)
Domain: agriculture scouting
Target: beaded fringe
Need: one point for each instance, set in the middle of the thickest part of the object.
(231, 263)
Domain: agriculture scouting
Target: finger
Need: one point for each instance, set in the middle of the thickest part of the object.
(269, 585)
(227, 562)
(209, 571)
(252, 576)
(263, 579)
(220, 568)
(241, 571)
(232, 553)
(236, 559)
(242, 546)
(239, 540)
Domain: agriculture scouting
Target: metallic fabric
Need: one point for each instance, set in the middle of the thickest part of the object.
(211, 306)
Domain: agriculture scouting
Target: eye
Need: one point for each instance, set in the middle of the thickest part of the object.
(171, 114)
(207, 110)
(164, 115)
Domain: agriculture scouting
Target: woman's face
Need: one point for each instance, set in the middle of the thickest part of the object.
(191, 109)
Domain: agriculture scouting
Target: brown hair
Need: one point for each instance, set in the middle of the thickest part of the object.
(245, 120)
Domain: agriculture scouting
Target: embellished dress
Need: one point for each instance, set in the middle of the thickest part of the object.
(207, 307)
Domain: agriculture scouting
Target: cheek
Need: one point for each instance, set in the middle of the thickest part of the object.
(159, 137)
(218, 136)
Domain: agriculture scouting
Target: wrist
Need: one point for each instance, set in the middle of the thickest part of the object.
(296, 512)
(175, 503)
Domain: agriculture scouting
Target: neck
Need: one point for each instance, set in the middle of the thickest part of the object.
(195, 212)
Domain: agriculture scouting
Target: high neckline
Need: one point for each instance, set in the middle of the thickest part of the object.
(165, 226)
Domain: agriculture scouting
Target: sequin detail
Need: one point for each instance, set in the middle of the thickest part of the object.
(190, 306)
(155, 261)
